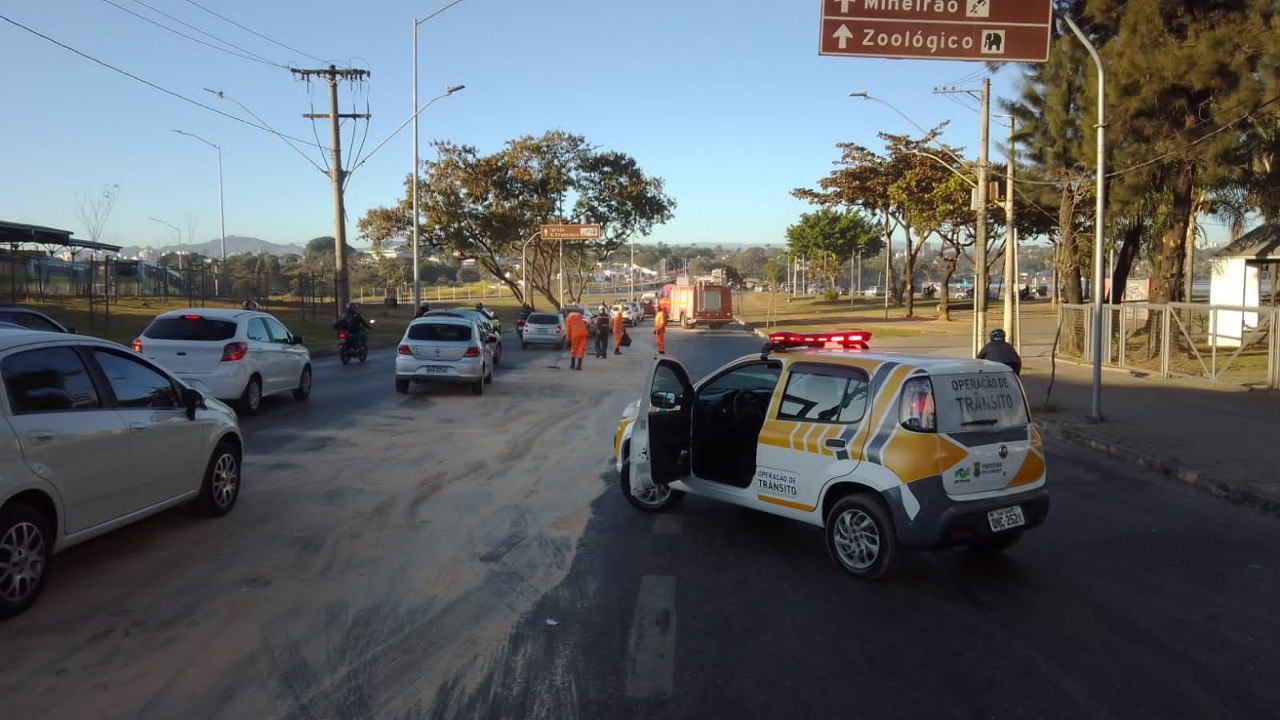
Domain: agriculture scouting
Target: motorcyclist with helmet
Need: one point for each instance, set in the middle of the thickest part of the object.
(355, 326)
(999, 350)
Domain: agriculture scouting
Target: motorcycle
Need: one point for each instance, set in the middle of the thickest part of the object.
(349, 347)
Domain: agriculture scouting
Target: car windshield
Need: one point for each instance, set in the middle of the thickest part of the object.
(190, 327)
(440, 332)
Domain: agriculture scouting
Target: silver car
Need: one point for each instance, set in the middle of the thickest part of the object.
(444, 348)
(93, 438)
(493, 337)
(543, 329)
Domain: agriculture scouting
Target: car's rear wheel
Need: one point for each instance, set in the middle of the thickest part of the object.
(303, 391)
(659, 498)
(221, 484)
(25, 546)
(477, 387)
(251, 398)
(861, 538)
(402, 386)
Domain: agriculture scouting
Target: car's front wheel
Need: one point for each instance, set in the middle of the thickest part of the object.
(25, 545)
(303, 391)
(861, 538)
(221, 484)
(654, 500)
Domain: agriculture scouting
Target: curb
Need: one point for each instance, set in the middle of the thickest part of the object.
(1189, 476)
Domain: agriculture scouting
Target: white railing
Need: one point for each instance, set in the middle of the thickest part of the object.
(1228, 344)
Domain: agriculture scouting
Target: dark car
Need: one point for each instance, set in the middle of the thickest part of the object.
(32, 319)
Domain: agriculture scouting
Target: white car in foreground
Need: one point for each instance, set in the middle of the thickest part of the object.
(95, 437)
(234, 355)
(445, 348)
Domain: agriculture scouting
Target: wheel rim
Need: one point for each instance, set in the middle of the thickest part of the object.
(655, 495)
(305, 385)
(255, 395)
(857, 539)
(21, 561)
(226, 477)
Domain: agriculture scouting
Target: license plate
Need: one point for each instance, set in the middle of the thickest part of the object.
(1006, 518)
(434, 369)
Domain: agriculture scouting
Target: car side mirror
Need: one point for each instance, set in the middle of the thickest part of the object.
(295, 340)
(191, 399)
(664, 400)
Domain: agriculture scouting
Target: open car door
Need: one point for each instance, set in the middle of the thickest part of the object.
(660, 443)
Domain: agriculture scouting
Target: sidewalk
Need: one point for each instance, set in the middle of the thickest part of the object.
(1213, 437)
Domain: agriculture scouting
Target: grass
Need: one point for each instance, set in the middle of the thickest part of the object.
(805, 314)
(128, 317)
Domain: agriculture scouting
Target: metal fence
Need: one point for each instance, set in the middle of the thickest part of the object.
(1219, 343)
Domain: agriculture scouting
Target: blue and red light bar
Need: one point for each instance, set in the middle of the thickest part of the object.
(849, 339)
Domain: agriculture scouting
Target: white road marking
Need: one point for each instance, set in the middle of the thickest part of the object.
(651, 648)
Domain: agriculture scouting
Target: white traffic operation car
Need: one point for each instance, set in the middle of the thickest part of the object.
(234, 355)
(94, 438)
(884, 451)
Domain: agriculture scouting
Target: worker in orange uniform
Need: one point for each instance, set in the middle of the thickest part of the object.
(618, 329)
(660, 330)
(575, 329)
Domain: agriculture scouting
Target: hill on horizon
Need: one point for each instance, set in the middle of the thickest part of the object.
(236, 245)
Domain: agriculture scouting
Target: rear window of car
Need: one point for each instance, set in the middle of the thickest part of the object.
(439, 332)
(979, 401)
(544, 319)
(190, 327)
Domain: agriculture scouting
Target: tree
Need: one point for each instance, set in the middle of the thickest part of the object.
(93, 209)
(485, 207)
(829, 238)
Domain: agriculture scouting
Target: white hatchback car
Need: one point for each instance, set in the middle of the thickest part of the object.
(95, 437)
(445, 348)
(235, 355)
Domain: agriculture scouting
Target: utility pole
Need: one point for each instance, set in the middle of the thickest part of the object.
(980, 252)
(1010, 247)
(331, 75)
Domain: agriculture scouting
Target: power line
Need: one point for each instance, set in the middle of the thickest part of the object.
(179, 33)
(146, 82)
(253, 32)
(206, 33)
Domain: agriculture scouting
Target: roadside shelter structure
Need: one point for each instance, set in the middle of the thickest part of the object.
(1241, 272)
(20, 237)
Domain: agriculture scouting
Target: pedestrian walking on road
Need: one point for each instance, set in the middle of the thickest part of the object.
(575, 329)
(601, 321)
(998, 350)
(660, 331)
(618, 329)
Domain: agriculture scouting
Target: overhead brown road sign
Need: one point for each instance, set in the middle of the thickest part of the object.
(986, 30)
(571, 232)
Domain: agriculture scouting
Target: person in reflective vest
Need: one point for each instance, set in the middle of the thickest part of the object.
(660, 331)
(575, 329)
(601, 321)
(618, 330)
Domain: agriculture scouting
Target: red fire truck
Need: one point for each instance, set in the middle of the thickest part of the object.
(699, 303)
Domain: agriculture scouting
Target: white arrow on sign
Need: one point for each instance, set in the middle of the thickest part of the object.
(843, 35)
(844, 7)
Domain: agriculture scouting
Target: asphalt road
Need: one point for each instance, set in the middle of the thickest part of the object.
(439, 555)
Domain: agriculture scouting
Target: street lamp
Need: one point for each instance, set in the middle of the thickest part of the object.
(222, 214)
(524, 266)
(176, 230)
(413, 178)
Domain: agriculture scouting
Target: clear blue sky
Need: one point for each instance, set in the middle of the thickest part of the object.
(729, 103)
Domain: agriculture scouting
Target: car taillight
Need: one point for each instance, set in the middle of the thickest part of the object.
(404, 350)
(342, 336)
(234, 351)
(137, 345)
(559, 329)
(472, 352)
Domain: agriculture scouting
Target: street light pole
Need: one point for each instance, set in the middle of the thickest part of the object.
(413, 179)
(524, 266)
(222, 208)
(1100, 193)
